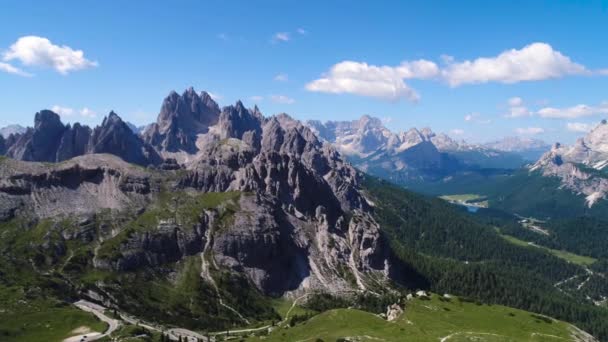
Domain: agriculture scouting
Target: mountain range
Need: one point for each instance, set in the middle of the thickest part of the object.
(418, 155)
(211, 216)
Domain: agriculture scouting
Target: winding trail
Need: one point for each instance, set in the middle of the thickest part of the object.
(443, 339)
(98, 311)
(206, 274)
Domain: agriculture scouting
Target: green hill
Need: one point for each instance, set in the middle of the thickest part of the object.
(432, 319)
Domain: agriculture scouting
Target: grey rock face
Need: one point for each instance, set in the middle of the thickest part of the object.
(115, 137)
(181, 119)
(82, 185)
(73, 142)
(2, 145)
(166, 243)
(579, 166)
(51, 141)
(41, 142)
(302, 223)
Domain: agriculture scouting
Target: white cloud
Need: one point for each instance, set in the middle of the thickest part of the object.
(457, 131)
(573, 112)
(470, 117)
(476, 118)
(5, 67)
(87, 113)
(62, 111)
(282, 99)
(222, 36)
(578, 127)
(534, 62)
(281, 77)
(517, 108)
(515, 101)
(387, 119)
(39, 51)
(302, 31)
(383, 82)
(67, 112)
(215, 96)
(281, 37)
(256, 98)
(529, 130)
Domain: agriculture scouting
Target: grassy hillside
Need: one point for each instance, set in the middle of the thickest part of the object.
(433, 319)
(450, 251)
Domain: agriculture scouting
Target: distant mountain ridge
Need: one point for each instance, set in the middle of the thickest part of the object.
(529, 148)
(581, 167)
(5, 132)
(412, 155)
(52, 141)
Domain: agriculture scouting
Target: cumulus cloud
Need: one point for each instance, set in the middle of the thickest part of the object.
(578, 127)
(281, 77)
(67, 112)
(573, 112)
(282, 99)
(302, 31)
(281, 37)
(256, 98)
(87, 113)
(529, 130)
(457, 131)
(39, 51)
(534, 62)
(215, 96)
(385, 82)
(62, 111)
(476, 118)
(515, 101)
(5, 67)
(517, 108)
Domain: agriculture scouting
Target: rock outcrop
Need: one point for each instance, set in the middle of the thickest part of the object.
(115, 137)
(2, 145)
(52, 141)
(299, 224)
(182, 118)
(580, 167)
(41, 142)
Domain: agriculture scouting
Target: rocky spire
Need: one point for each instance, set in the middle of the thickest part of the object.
(181, 119)
(115, 137)
(41, 142)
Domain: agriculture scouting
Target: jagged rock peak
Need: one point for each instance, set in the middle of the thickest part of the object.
(47, 118)
(112, 118)
(181, 119)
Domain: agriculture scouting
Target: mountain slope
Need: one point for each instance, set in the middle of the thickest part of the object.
(452, 253)
(433, 319)
(566, 182)
(410, 157)
(262, 209)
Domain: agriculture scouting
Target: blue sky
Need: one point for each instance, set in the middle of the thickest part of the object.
(411, 63)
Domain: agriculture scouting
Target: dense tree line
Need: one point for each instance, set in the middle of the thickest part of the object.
(451, 252)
